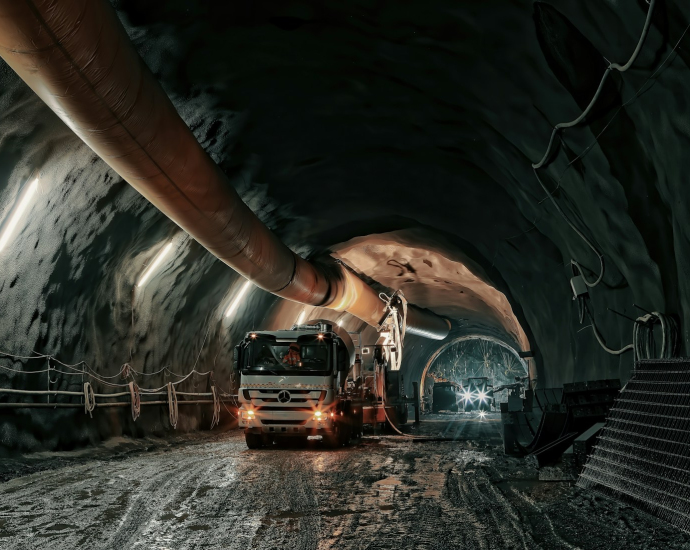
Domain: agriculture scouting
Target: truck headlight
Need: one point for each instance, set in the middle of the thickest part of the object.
(318, 415)
(247, 415)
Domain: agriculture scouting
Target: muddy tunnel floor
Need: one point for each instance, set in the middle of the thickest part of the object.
(210, 491)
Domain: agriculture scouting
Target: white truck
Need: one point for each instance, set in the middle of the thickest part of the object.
(293, 384)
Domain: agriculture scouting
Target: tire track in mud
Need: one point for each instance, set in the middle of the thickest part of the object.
(149, 501)
(130, 504)
(536, 521)
(496, 523)
(383, 494)
(286, 494)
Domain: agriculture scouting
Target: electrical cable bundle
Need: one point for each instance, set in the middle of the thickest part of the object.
(135, 400)
(644, 342)
(216, 408)
(172, 405)
(89, 399)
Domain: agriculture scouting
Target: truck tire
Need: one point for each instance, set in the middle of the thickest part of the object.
(336, 439)
(253, 441)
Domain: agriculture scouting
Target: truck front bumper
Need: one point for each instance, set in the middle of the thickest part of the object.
(285, 423)
(287, 431)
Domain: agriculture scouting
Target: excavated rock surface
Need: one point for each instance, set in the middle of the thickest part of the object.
(344, 119)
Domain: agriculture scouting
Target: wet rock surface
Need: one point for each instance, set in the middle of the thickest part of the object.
(385, 492)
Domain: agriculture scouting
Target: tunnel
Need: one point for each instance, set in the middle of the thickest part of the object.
(456, 233)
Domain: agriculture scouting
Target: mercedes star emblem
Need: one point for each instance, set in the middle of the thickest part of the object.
(284, 396)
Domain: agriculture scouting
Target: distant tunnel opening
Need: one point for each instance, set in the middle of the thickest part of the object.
(466, 360)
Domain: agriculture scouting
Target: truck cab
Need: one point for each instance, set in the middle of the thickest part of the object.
(292, 384)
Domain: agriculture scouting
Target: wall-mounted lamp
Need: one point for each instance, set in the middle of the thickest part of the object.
(19, 211)
(238, 298)
(154, 265)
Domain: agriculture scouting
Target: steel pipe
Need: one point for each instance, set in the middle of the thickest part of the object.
(77, 57)
(424, 323)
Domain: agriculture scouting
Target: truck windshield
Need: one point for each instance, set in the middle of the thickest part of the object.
(307, 355)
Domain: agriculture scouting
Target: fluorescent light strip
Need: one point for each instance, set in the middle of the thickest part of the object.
(300, 319)
(236, 302)
(154, 265)
(18, 213)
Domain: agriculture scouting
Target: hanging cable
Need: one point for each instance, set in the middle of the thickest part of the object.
(172, 405)
(135, 400)
(579, 233)
(215, 420)
(562, 125)
(89, 399)
(632, 99)
(611, 67)
(644, 343)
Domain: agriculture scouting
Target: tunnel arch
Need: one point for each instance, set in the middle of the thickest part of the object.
(468, 337)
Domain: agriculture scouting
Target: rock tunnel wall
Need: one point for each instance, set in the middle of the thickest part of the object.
(340, 120)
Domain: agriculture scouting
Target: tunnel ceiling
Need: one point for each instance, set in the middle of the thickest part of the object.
(340, 120)
(444, 280)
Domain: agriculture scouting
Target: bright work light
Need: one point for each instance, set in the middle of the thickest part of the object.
(19, 211)
(154, 265)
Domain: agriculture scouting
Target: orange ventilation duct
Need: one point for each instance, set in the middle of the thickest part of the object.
(77, 57)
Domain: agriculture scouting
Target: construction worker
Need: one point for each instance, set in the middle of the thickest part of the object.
(292, 357)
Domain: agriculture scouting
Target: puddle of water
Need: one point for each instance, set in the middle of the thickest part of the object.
(388, 481)
(288, 515)
(336, 513)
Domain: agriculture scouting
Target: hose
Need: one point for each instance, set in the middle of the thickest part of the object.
(643, 336)
(89, 399)
(644, 343)
(215, 420)
(135, 396)
(172, 405)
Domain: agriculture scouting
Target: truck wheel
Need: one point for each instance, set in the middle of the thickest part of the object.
(345, 435)
(334, 440)
(253, 441)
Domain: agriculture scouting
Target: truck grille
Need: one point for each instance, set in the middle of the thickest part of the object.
(271, 396)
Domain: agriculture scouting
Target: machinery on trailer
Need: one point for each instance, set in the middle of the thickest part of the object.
(293, 385)
(383, 395)
(446, 396)
(478, 394)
